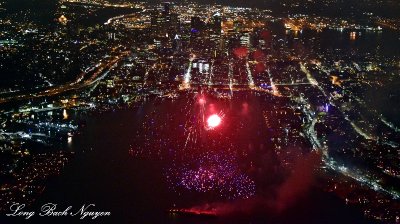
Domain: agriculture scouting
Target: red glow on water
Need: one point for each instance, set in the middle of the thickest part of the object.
(213, 121)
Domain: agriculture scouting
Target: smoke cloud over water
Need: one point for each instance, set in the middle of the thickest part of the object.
(290, 191)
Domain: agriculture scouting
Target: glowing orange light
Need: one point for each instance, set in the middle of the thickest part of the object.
(213, 121)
